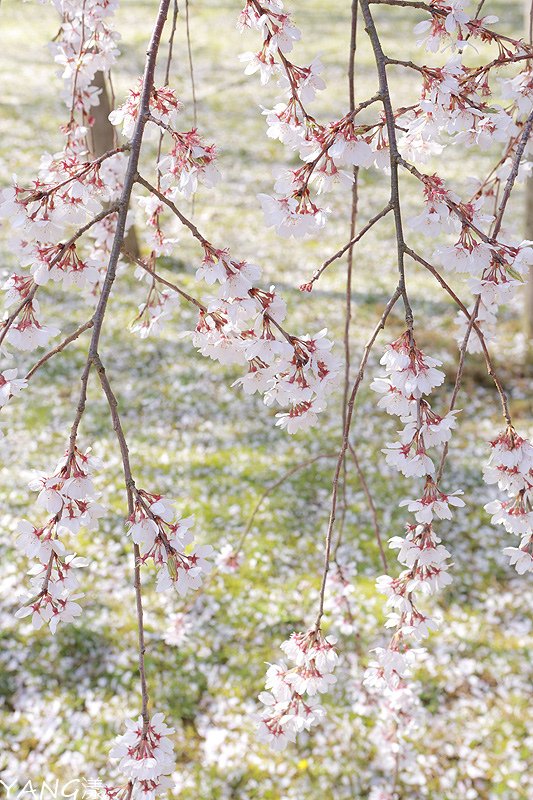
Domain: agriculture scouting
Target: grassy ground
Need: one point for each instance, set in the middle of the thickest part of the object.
(214, 449)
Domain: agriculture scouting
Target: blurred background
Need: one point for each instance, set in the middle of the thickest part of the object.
(213, 449)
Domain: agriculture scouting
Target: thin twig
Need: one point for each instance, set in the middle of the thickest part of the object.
(371, 504)
(345, 442)
(71, 338)
(191, 63)
(249, 525)
(354, 239)
(381, 66)
(524, 138)
(488, 359)
(157, 277)
(173, 207)
(272, 488)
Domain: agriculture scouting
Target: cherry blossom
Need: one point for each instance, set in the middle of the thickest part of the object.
(10, 385)
(69, 495)
(289, 704)
(433, 503)
(163, 536)
(68, 227)
(511, 467)
(146, 756)
(521, 558)
(164, 107)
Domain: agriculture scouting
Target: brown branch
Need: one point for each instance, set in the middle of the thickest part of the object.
(345, 442)
(71, 338)
(316, 275)
(381, 66)
(408, 65)
(371, 504)
(488, 359)
(87, 166)
(98, 318)
(130, 488)
(173, 207)
(157, 277)
(526, 133)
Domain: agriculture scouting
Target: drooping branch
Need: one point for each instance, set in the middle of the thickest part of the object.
(488, 359)
(93, 357)
(371, 506)
(381, 67)
(347, 247)
(344, 446)
(59, 348)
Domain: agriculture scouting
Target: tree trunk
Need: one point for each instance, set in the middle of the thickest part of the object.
(102, 139)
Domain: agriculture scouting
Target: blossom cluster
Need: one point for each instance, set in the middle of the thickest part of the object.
(164, 537)
(290, 702)
(325, 150)
(411, 376)
(146, 758)
(72, 188)
(458, 106)
(454, 106)
(67, 494)
(242, 323)
(294, 371)
(511, 468)
(398, 716)
(495, 269)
